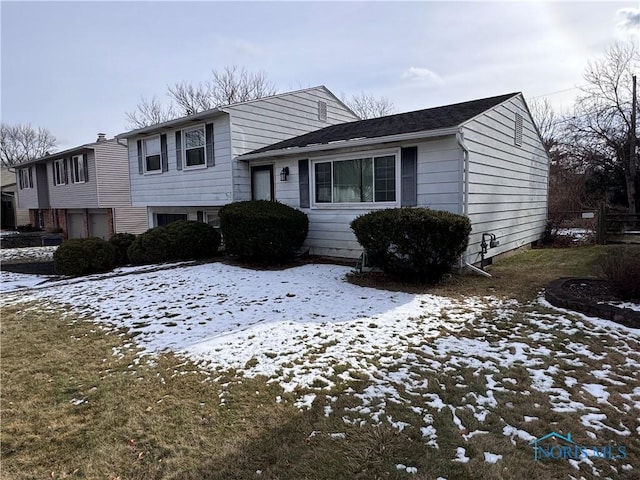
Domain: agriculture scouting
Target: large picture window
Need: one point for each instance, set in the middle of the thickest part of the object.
(358, 180)
(194, 147)
(152, 153)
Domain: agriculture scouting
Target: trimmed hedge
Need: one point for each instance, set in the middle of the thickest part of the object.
(417, 244)
(153, 246)
(81, 256)
(122, 242)
(263, 231)
(192, 240)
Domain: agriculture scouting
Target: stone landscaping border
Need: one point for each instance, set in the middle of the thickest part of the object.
(560, 297)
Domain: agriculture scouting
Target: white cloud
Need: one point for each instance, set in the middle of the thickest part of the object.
(422, 75)
(629, 20)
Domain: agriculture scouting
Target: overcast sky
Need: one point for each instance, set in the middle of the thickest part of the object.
(77, 67)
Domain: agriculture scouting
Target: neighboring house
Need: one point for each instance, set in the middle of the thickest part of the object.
(11, 216)
(187, 168)
(482, 158)
(83, 190)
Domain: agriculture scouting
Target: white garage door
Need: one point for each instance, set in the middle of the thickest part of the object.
(99, 225)
(75, 225)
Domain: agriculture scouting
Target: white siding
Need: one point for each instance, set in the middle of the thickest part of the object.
(196, 187)
(507, 183)
(130, 220)
(330, 233)
(270, 120)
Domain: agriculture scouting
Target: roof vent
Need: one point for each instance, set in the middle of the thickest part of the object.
(518, 131)
(102, 137)
(322, 111)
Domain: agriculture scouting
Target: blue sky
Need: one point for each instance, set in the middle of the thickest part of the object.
(77, 67)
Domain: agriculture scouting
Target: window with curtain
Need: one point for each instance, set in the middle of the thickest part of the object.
(358, 180)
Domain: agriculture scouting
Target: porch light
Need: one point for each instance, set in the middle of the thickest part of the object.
(284, 174)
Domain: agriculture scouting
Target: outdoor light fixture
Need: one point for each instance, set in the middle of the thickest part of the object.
(284, 174)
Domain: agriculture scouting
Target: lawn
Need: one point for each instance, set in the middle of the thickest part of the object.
(215, 371)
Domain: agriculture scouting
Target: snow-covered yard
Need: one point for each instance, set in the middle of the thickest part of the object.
(319, 337)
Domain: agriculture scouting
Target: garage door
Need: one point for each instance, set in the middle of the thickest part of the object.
(99, 225)
(75, 225)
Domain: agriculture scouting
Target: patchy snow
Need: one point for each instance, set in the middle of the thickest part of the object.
(317, 337)
(491, 457)
(14, 281)
(629, 305)
(27, 254)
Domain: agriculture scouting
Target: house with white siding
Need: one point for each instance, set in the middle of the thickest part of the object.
(83, 190)
(11, 216)
(482, 158)
(187, 168)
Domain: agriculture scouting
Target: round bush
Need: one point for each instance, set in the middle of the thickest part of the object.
(192, 240)
(80, 256)
(153, 246)
(417, 244)
(621, 266)
(122, 242)
(264, 231)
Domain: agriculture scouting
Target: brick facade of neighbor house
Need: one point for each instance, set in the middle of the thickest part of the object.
(57, 218)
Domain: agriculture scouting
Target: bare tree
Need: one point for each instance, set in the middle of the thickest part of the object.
(227, 86)
(367, 106)
(149, 112)
(601, 125)
(21, 143)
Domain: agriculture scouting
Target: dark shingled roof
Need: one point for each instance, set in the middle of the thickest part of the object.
(421, 120)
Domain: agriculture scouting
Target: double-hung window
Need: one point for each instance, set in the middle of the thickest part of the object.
(152, 154)
(60, 172)
(358, 180)
(194, 147)
(25, 178)
(78, 174)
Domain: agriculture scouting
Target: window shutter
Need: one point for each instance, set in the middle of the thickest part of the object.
(409, 176)
(303, 183)
(208, 131)
(140, 164)
(20, 174)
(85, 166)
(164, 159)
(30, 173)
(53, 169)
(65, 163)
(179, 150)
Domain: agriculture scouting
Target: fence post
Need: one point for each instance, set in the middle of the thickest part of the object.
(601, 225)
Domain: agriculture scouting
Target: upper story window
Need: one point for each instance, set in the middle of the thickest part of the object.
(152, 154)
(25, 178)
(358, 180)
(60, 172)
(194, 147)
(78, 169)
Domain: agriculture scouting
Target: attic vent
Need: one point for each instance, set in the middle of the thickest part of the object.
(518, 131)
(322, 111)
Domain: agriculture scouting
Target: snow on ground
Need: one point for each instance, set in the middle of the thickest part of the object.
(318, 336)
(14, 281)
(27, 254)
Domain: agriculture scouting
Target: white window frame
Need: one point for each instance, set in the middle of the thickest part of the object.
(184, 147)
(352, 156)
(77, 169)
(144, 155)
(58, 172)
(26, 178)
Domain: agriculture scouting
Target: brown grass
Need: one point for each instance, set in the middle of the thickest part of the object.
(162, 417)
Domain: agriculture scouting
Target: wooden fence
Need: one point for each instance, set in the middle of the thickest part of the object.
(614, 227)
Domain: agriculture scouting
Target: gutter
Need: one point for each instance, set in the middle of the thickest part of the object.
(347, 143)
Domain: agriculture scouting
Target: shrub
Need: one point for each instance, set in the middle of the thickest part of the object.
(153, 246)
(621, 266)
(80, 256)
(192, 240)
(28, 228)
(122, 242)
(260, 230)
(414, 243)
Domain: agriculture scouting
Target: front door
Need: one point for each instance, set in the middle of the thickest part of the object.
(262, 182)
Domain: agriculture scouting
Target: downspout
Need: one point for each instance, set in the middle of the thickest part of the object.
(464, 184)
